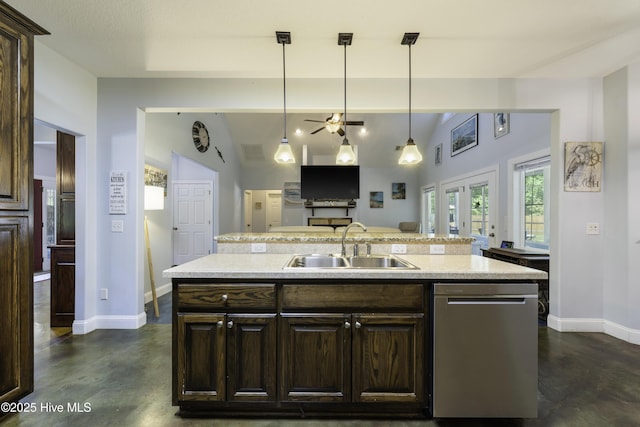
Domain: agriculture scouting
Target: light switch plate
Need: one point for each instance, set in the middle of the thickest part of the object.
(117, 226)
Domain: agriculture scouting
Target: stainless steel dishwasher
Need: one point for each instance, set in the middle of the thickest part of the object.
(485, 350)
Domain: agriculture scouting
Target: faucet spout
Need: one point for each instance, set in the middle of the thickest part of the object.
(343, 252)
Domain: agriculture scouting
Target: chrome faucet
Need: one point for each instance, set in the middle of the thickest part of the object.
(344, 234)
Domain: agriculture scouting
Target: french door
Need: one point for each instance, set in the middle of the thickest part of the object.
(469, 208)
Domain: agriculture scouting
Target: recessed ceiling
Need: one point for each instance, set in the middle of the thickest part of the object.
(464, 38)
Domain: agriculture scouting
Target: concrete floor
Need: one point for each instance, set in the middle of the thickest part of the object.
(124, 378)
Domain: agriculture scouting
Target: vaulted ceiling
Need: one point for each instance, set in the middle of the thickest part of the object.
(458, 39)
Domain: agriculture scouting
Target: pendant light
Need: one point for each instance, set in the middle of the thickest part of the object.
(284, 153)
(345, 156)
(410, 154)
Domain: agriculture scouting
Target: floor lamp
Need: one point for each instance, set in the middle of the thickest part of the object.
(153, 201)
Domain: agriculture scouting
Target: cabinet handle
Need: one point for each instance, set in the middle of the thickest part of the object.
(358, 325)
(347, 325)
(225, 297)
(219, 324)
(230, 324)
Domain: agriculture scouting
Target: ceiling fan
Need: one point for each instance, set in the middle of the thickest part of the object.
(334, 124)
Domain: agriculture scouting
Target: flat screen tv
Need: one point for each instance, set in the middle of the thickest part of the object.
(330, 182)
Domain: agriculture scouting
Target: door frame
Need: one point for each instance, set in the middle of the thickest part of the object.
(464, 182)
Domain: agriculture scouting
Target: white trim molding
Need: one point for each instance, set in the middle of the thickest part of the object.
(594, 325)
(82, 327)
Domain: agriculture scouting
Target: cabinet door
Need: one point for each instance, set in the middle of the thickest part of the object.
(251, 357)
(315, 358)
(201, 357)
(388, 358)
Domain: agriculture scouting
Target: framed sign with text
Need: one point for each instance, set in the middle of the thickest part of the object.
(117, 193)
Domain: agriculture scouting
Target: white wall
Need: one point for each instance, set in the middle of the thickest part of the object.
(577, 265)
(65, 97)
(621, 250)
(529, 133)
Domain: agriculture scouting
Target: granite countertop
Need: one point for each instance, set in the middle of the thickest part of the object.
(329, 237)
(270, 267)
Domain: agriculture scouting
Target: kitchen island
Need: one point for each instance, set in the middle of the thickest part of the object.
(251, 338)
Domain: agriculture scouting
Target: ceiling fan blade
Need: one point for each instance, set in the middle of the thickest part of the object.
(315, 121)
(317, 130)
(354, 123)
(340, 132)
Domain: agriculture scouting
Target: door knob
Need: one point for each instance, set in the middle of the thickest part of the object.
(230, 324)
(492, 234)
(224, 297)
(175, 228)
(219, 324)
(347, 325)
(358, 325)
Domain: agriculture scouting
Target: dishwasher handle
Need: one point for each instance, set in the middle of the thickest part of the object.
(486, 300)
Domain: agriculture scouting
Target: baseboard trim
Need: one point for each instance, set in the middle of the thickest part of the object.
(82, 327)
(594, 325)
(162, 290)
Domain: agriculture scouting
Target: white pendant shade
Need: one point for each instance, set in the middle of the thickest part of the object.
(284, 154)
(346, 155)
(410, 154)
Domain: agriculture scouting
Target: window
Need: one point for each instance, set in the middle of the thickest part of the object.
(480, 209)
(429, 210)
(531, 193)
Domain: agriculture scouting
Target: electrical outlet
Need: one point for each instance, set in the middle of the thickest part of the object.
(258, 248)
(593, 228)
(398, 249)
(436, 249)
(104, 293)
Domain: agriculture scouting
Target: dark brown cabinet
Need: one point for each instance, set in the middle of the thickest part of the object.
(316, 358)
(352, 358)
(16, 203)
(63, 285)
(228, 355)
(299, 347)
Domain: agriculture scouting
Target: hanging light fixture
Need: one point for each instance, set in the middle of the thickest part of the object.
(284, 153)
(410, 154)
(345, 156)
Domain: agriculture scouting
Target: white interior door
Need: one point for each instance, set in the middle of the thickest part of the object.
(248, 211)
(274, 208)
(192, 221)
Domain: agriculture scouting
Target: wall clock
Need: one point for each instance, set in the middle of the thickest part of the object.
(200, 136)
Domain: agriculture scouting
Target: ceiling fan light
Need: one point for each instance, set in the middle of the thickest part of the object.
(346, 156)
(410, 154)
(332, 127)
(284, 154)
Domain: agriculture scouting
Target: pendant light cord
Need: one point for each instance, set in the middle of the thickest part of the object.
(284, 85)
(409, 91)
(345, 91)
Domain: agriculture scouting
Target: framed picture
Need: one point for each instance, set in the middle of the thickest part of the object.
(398, 190)
(438, 154)
(376, 199)
(291, 193)
(500, 124)
(583, 166)
(464, 136)
(155, 177)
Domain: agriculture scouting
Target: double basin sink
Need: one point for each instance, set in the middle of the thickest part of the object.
(384, 262)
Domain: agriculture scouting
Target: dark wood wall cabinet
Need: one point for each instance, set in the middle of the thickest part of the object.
(16, 203)
(291, 348)
(63, 280)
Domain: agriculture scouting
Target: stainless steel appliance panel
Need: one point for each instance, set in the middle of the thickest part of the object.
(485, 343)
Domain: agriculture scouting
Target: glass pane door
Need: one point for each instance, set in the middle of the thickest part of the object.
(453, 201)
